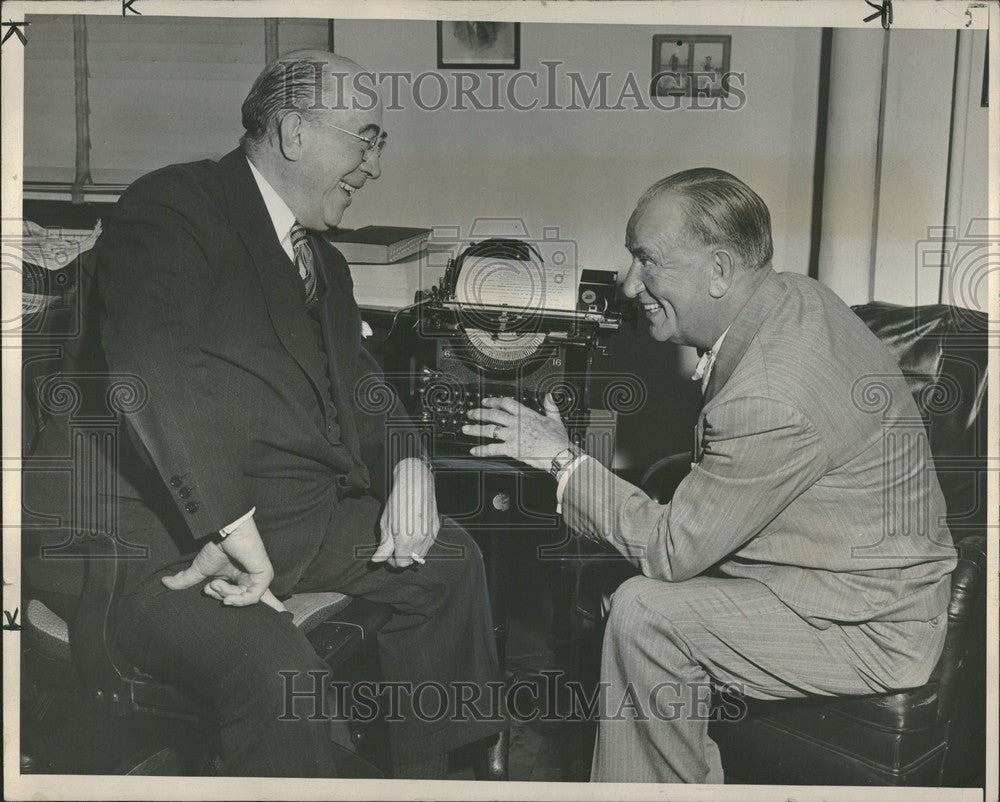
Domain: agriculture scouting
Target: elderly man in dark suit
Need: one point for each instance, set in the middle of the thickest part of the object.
(253, 471)
(806, 551)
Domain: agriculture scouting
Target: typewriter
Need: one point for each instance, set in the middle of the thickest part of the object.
(504, 322)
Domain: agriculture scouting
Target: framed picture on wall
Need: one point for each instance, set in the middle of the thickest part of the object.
(690, 65)
(479, 45)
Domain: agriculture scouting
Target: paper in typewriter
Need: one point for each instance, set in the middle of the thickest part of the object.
(528, 286)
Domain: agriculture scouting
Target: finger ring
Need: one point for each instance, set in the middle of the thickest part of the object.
(496, 431)
(417, 558)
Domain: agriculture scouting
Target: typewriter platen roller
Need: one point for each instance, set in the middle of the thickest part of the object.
(507, 324)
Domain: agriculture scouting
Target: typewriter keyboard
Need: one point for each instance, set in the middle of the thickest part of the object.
(444, 403)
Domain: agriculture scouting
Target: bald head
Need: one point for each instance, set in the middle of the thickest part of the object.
(307, 81)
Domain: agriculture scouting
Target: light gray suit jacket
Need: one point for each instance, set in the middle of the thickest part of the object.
(813, 472)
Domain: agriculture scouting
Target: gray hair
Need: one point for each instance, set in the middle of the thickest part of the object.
(293, 85)
(720, 210)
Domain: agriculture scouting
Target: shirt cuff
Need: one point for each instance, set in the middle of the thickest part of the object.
(563, 480)
(228, 530)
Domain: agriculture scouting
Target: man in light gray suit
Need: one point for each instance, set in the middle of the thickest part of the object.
(806, 551)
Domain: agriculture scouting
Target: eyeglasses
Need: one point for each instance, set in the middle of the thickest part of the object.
(373, 145)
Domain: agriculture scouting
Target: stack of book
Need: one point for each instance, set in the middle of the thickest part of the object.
(393, 286)
(379, 245)
(388, 263)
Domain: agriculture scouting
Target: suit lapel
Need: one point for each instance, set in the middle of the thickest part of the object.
(341, 338)
(741, 333)
(278, 276)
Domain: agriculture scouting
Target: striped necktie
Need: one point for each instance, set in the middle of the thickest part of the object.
(304, 260)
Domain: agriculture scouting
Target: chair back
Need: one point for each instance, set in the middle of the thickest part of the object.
(942, 351)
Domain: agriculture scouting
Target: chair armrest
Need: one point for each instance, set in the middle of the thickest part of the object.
(339, 637)
(968, 578)
(663, 477)
(966, 619)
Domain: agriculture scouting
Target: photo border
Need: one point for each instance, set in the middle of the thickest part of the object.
(947, 14)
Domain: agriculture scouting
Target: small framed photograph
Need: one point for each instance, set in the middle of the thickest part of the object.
(690, 65)
(479, 45)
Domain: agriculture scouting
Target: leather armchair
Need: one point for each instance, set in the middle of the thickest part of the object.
(935, 734)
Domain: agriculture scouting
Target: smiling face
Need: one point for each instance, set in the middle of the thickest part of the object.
(332, 165)
(310, 118)
(671, 276)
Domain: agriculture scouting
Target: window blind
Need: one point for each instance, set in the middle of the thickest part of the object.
(160, 91)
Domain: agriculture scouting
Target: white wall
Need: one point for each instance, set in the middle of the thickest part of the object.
(914, 187)
(914, 161)
(967, 282)
(582, 171)
(975, 183)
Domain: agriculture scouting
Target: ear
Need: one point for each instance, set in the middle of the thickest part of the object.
(723, 273)
(290, 131)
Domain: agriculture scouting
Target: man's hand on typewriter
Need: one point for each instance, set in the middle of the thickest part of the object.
(522, 433)
(410, 520)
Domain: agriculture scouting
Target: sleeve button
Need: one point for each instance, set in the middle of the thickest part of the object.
(191, 507)
(184, 492)
(175, 481)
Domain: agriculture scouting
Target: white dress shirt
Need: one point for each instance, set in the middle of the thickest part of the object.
(282, 217)
(703, 370)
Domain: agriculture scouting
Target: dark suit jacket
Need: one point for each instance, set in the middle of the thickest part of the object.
(239, 398)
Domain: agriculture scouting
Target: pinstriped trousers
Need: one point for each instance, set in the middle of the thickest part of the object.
(667, 643)
(441, 631)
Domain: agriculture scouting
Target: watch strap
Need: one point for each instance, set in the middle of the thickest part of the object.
(564, 458)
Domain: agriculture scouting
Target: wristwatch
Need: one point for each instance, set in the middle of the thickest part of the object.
(564, 458)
